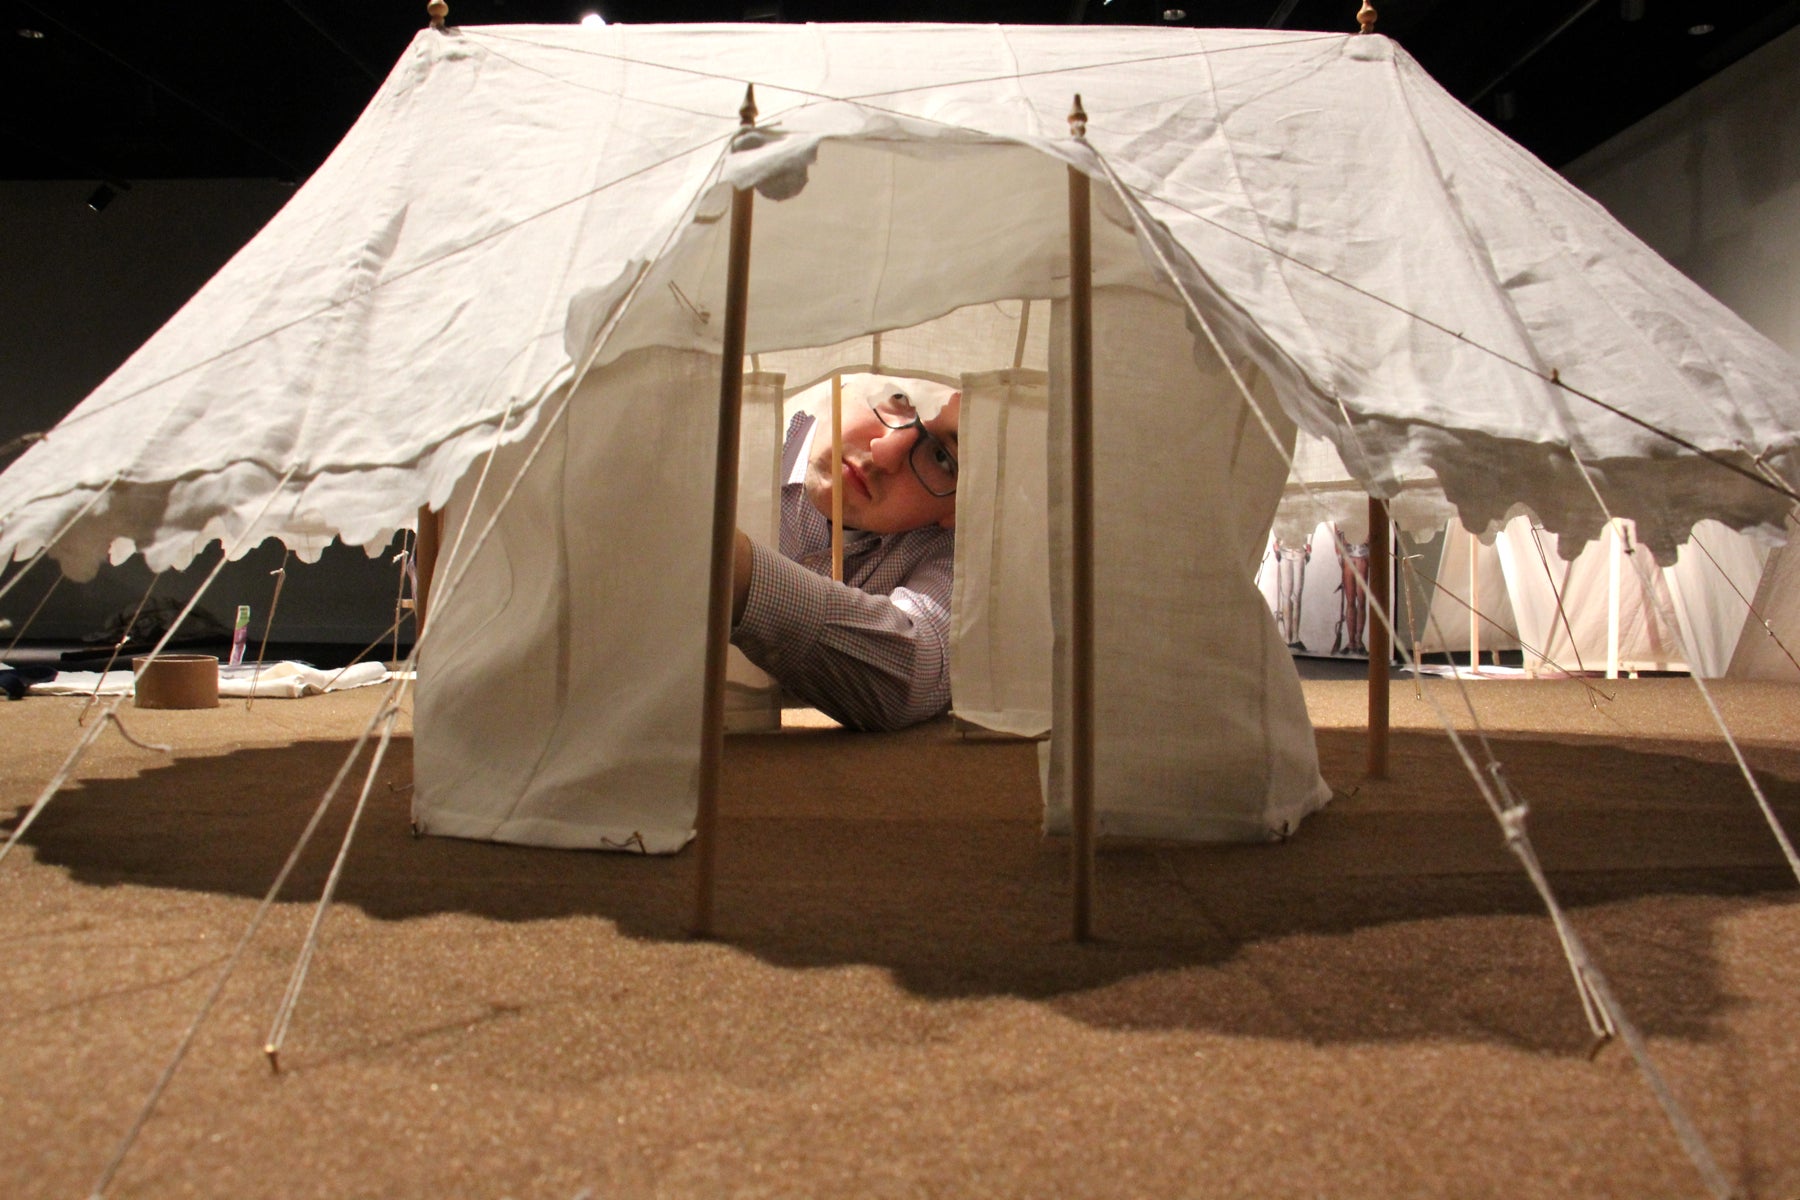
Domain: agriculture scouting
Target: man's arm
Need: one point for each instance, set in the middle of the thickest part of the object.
(740, 577)
(870, 661)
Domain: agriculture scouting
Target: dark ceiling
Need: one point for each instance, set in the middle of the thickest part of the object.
(116, 91)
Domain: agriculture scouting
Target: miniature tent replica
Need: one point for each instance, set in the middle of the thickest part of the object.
(521, 249)
(1595, 614)
(1710, 612)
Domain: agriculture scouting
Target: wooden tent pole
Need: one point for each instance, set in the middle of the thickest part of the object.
(837, 477)
(1081, 496)
(425, 556)
(724, 543)
(1613, 594)
(1380, 606)
(1474, 605)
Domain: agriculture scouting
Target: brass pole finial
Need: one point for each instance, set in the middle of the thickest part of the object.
(438, 10)
(1365, 16)
(1078, 119)
(747, 114)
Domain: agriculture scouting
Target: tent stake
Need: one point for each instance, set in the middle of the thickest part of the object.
(1380, 652)
(724, 543)
(1081, 494)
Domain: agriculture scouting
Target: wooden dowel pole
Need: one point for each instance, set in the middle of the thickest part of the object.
(1474, 605)
(724, 547)
(1081, 496)
(1613, 596)
(425, 556)
(837, 477)
(1380, 611)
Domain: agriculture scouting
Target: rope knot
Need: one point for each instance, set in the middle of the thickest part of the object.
(1512, 823)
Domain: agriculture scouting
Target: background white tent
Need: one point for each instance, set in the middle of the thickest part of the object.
(1596, 613)
(519, 249)
(1511, 588)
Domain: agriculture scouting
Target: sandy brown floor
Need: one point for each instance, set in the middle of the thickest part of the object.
(1376, 1008)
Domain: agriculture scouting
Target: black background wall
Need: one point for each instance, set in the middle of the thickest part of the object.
(81, 291)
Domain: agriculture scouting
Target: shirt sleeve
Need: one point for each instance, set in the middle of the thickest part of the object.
(869, 661)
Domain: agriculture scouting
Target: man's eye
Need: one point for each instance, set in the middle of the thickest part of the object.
(944, 460)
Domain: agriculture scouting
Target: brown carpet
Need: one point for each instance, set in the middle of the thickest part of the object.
(1377, 1008)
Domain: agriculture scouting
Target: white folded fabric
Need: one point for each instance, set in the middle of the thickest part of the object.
(289, 680)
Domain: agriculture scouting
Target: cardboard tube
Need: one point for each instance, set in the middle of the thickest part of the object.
(176, 681)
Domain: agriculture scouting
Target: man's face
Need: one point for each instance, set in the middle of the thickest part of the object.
(881, 492)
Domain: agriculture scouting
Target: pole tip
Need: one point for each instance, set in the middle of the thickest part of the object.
(747, 113)
(438, 11)
(1365, 16)
(1078, 119)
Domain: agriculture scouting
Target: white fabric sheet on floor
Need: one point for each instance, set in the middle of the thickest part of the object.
(276, 681)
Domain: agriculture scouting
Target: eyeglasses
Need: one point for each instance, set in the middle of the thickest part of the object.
(930, 457)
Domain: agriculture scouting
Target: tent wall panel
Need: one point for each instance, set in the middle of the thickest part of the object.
(1201, 728)
(752, 697)
(1446, 628)
(563, 706)
(1589, 613)
(1711, 585)
(1001, 635)
(1777, 599)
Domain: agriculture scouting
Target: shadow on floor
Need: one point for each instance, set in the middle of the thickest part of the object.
(1395, 913)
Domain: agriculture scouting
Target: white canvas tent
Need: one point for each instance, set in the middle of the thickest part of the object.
(520, 249)
(1595, 613)
(1511, 587)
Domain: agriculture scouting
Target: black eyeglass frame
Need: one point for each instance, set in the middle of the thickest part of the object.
(926, 440)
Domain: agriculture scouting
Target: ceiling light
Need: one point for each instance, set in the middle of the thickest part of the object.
(592, 20)
(35, 35)
(1174, 14)
(1700, 30)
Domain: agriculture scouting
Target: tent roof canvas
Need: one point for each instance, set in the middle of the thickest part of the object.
(1409, 280)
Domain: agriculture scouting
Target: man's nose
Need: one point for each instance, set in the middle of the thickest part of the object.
(889, 451)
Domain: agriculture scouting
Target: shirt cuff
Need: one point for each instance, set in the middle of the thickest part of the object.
(784, 612)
